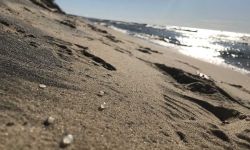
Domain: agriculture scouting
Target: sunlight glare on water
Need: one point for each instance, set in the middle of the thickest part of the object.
(222, 48)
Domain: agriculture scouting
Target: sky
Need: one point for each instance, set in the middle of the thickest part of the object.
(228, 15)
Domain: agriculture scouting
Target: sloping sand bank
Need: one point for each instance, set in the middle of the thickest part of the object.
(109, 90)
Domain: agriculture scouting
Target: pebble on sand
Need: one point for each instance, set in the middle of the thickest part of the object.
(102, 107)
(49, 121)
(202, 75)
(67, 140)
(101, 93)
(42, 86)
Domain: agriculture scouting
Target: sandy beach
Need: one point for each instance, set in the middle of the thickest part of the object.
(109, 90)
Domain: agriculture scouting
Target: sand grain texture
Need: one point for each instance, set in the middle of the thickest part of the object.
(153, 97)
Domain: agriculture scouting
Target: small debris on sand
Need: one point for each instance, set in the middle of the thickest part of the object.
(101, 93)
(102, 107)
(49, 121)
(225, 122)
(42, 86)
(67, 140)
(202, 75)
(242, 117)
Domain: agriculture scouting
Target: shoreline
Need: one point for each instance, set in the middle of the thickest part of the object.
(69, 84)
(163, 25)
(188, 50)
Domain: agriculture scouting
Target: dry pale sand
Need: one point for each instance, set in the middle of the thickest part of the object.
(154, 98)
